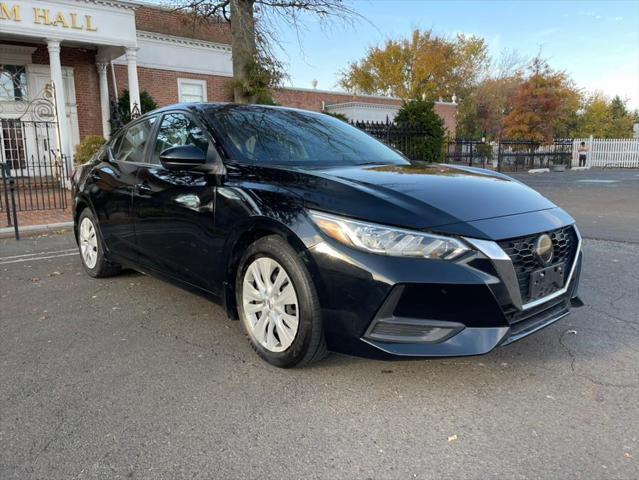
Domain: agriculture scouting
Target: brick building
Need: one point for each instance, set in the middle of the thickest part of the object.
(92, 49)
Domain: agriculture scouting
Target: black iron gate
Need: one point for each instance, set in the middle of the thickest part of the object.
(33, 172)
(515, 155)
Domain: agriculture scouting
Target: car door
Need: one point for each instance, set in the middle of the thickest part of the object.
(174, 210)
(111, 185)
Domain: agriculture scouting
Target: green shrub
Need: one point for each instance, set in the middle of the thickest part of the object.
(484, 151)
(146, 101)
(420, 115)
(87, 148)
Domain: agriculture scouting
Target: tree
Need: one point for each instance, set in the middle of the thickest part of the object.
(604, 118)
(146, 105)
(543, 106)
(481, 113)
(421, 114)
(424, 66)
(254, 25)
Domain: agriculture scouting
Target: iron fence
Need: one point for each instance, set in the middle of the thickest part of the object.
(28, 157)
(409, 140)
(474, 153)
(33, 172)
(504, 155)
(516, 155)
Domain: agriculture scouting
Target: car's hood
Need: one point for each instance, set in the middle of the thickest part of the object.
(416, 196)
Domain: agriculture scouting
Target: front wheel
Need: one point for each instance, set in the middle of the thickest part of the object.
(278, 305)
(92, 252)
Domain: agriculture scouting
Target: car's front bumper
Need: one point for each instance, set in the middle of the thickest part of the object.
(370, 303)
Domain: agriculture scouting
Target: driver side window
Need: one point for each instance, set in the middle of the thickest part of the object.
(178, 129)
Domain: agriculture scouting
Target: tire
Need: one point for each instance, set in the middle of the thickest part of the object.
(91, 246)
(269, 320)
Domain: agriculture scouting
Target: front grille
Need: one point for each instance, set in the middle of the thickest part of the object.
(521, 252)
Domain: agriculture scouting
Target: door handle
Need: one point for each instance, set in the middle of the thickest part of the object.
(143, 188)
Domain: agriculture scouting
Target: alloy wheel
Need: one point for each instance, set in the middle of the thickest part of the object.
(88, 243)
(270, 305)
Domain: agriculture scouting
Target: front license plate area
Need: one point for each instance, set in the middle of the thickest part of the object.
(547, 280)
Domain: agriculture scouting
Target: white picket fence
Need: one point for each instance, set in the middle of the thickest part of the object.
(606, 152)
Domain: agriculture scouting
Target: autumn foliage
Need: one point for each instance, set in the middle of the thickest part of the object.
(508, 97)
(542, 105)
(424, 66)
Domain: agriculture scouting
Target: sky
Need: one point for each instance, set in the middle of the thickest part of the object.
(596, 42)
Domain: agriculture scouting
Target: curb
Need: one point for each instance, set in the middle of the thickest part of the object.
(30, 229)
(539, 170)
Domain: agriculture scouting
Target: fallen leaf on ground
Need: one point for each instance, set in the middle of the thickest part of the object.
(452, 438)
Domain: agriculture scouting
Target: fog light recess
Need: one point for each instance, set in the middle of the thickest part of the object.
(411, 331)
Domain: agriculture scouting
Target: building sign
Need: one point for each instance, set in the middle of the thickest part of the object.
(44, 16)
(69, 19)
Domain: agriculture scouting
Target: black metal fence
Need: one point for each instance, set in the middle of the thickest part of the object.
(28, 155)
(407, 139)
(515, 155)
(33, 172)
(504, 155)
(474, 153)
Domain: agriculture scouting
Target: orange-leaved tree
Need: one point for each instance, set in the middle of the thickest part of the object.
(424, 66)
(543, 106)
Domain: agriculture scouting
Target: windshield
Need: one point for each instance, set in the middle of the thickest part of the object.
(273, 136)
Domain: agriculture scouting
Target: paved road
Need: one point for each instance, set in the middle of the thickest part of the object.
(133, 378)
(605, 202)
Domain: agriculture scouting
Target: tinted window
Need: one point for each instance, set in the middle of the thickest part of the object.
(178, 129)
(278, 136)
(130, 146)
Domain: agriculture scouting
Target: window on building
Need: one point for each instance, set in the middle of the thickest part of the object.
(12, 136)
(13, 82)
(191, 90)
(178, 129)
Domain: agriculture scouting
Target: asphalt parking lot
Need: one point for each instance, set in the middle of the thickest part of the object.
(130, 377)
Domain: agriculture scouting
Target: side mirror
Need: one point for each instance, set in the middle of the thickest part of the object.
(183, 157)
(190, 157)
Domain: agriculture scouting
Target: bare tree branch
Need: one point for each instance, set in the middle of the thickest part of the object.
(256, 26)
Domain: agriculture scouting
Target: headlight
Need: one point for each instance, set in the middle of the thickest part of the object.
(383, 240)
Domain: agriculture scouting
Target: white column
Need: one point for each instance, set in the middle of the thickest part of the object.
(104, 98)
(61, 103)
(132, 69)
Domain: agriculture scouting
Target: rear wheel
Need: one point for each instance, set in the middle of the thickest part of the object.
(278, 305)
(92, 252)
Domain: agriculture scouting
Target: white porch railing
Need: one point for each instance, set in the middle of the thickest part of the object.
(606, 152)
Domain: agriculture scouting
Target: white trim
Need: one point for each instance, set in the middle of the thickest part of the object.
(180, 54)
(380, 106)
(355, 95)
(192, 81)
(15, 54)
(114, 3)
(112, 24)
(190, 42)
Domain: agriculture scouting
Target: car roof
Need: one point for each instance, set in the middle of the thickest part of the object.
(201, 106)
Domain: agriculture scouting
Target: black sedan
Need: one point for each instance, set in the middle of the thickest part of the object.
(318, 237)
